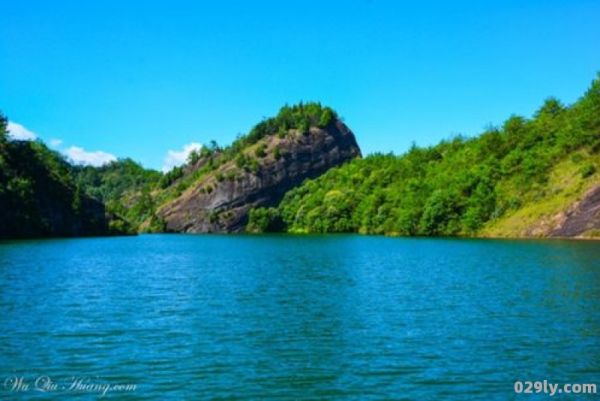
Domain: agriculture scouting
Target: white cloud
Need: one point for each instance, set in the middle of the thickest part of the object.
(19, 132)
(74, 153)
(176, 158)
(55, 143)
(81, 156)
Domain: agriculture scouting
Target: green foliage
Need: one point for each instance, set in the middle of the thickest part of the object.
(3, 128)
(194, 156)
(40, 196)
(133, 194)
(115, 179)
(170, 177)
(156, 224)
(242, 160)
(262, 220)
(206, 152)
(76, 205)
(282, 132)
(118, 226)
(453, 188)
(125, 187)
(260, 151)
(289, 121)
(588, 170)
(326, 117)
(299, 117)
(253, 166)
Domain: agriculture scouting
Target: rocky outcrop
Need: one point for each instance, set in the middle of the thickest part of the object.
(582, 218)
(220, 200)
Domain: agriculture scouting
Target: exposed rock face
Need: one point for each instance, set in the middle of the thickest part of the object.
(218, 204)
(580, 218)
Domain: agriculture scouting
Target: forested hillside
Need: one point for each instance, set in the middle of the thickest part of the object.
(217, 188)
(534, 169)
(124, 186)
(42, 194)
(39, 197)
(141, 196)
(535, 176)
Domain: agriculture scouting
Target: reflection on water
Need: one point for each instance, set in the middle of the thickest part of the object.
(300, 317)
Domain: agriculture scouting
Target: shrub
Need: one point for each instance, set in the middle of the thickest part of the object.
(262, 220)
(261, 150)
(588, 170)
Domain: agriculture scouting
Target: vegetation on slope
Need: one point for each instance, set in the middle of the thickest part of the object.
(290, 119)
(113, 180)
(501, 183)
(457, 187)
(573, 176)
(136, 194)
(39, 197)
(124, 186)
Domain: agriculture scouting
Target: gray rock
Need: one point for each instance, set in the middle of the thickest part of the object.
(213, 205)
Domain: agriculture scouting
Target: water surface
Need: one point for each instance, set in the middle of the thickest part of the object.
(299, 317)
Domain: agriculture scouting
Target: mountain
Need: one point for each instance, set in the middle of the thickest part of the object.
(39, 198)
(301, 142)
(42, 195)
(537, 177)
(301, 171)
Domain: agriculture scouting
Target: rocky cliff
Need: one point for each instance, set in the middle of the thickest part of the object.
(259, 176)
(581, 219)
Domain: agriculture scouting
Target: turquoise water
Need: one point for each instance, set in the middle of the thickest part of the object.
(298, 318)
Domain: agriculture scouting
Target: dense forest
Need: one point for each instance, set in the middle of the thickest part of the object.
(496, 183)
(125, 187)
(40, 197)
(462, 186)
(40, 190)
(148, 191)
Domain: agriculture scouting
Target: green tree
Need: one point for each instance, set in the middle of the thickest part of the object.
(194, 156)
(3, 128)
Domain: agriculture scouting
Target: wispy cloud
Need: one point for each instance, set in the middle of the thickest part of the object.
(81, 156)
(55, 143)
(75, 154)
(19, 132)
(176, 158)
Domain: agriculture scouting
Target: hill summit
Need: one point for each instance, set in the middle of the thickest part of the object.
(278, 154)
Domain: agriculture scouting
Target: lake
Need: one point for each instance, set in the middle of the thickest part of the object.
(338, 317)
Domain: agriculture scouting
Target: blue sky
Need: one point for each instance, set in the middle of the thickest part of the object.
(139, 79)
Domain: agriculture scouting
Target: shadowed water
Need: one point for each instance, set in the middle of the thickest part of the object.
(299, 317)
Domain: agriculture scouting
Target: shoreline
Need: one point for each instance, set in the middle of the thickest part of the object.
(304, 234)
